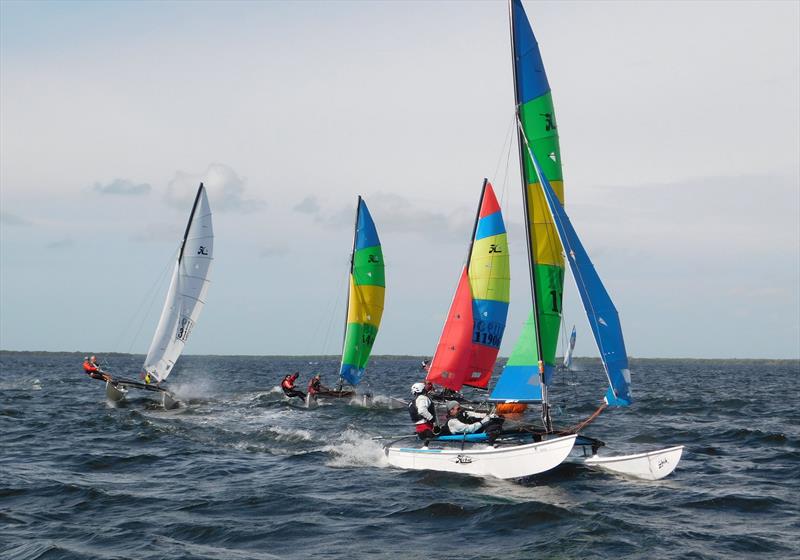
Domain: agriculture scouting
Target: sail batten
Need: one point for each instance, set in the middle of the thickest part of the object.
(473, 331)
(366, 293)
(186, 293)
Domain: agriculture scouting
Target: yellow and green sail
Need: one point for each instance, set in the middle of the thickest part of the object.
(530, 367)
(365, 297)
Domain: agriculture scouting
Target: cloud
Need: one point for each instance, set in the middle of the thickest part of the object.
(60, 244)
(225, 188)
(122, 187)
(397, 214)
(308, 205)
(13, 220)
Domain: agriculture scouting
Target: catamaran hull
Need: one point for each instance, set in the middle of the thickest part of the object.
(115, 392)
(504, 462)
(653, 465)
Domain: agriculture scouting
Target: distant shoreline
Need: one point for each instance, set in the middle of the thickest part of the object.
(414, 356)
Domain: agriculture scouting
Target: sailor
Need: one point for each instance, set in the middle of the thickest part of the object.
(423, 412)
(426, 365)
(315, 385)
(288, 386)
(92, 368)
(460, 421)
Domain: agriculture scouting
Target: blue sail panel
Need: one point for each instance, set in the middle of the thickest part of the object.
(603, 316)
(366, 234)
(518, 384)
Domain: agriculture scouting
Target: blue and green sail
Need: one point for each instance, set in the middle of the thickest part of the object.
(365, 297)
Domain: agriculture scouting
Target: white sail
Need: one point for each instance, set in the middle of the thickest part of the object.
(187, 291)
(570, 350)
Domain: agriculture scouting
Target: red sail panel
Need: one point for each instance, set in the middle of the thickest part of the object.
(451, 363)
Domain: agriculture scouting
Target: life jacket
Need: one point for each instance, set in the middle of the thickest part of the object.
(464, 418)
(414, 413)
(314, 386)
(287, 383)
(89, 367)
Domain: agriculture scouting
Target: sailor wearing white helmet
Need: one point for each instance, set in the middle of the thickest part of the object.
(422, 412)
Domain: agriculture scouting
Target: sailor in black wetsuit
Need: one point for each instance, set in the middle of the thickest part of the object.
(288, 386)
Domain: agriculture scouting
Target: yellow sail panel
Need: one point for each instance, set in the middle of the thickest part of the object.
(544, 237)
(489, 263)
(366, 304)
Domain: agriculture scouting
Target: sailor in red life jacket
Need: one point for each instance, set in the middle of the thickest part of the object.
(93, 370)
(288, 386)
(423, 412)
(315, 386)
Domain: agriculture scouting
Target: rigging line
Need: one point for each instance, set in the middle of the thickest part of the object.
(507, 140)
(152, 301)
(148, 295)
(332, 314)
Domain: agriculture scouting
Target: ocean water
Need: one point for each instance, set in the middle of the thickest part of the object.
(239, 473)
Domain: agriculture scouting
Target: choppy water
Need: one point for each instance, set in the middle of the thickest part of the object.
(238, 473)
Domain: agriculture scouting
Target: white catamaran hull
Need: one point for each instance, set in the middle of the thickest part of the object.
(652, 465)
(505, 462)
(115, 393)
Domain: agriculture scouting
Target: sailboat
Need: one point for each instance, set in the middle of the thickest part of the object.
(567, 363)
(466, 354)
(185, 300)
(550, 237)
(365, 297)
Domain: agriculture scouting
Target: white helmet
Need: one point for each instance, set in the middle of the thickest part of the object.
(417, 388)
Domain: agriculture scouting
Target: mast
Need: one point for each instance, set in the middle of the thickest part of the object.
(189, 223)
(475, 225)
(548, 426)
(350, 279)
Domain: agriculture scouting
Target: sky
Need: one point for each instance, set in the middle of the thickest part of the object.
(679, 126)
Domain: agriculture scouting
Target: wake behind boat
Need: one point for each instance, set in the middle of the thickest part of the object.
(182, 306)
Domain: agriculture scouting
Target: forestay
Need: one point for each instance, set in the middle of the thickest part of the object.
(187, 291)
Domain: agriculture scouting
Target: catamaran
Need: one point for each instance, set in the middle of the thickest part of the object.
(550, 237)
(185, 299)
(365, 297)
(466, 354)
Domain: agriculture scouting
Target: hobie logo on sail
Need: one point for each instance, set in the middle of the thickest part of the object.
(184, 328)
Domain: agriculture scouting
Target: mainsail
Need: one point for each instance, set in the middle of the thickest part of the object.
(187, 291)
(365, 297)
(472, 334)
(530, 367)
